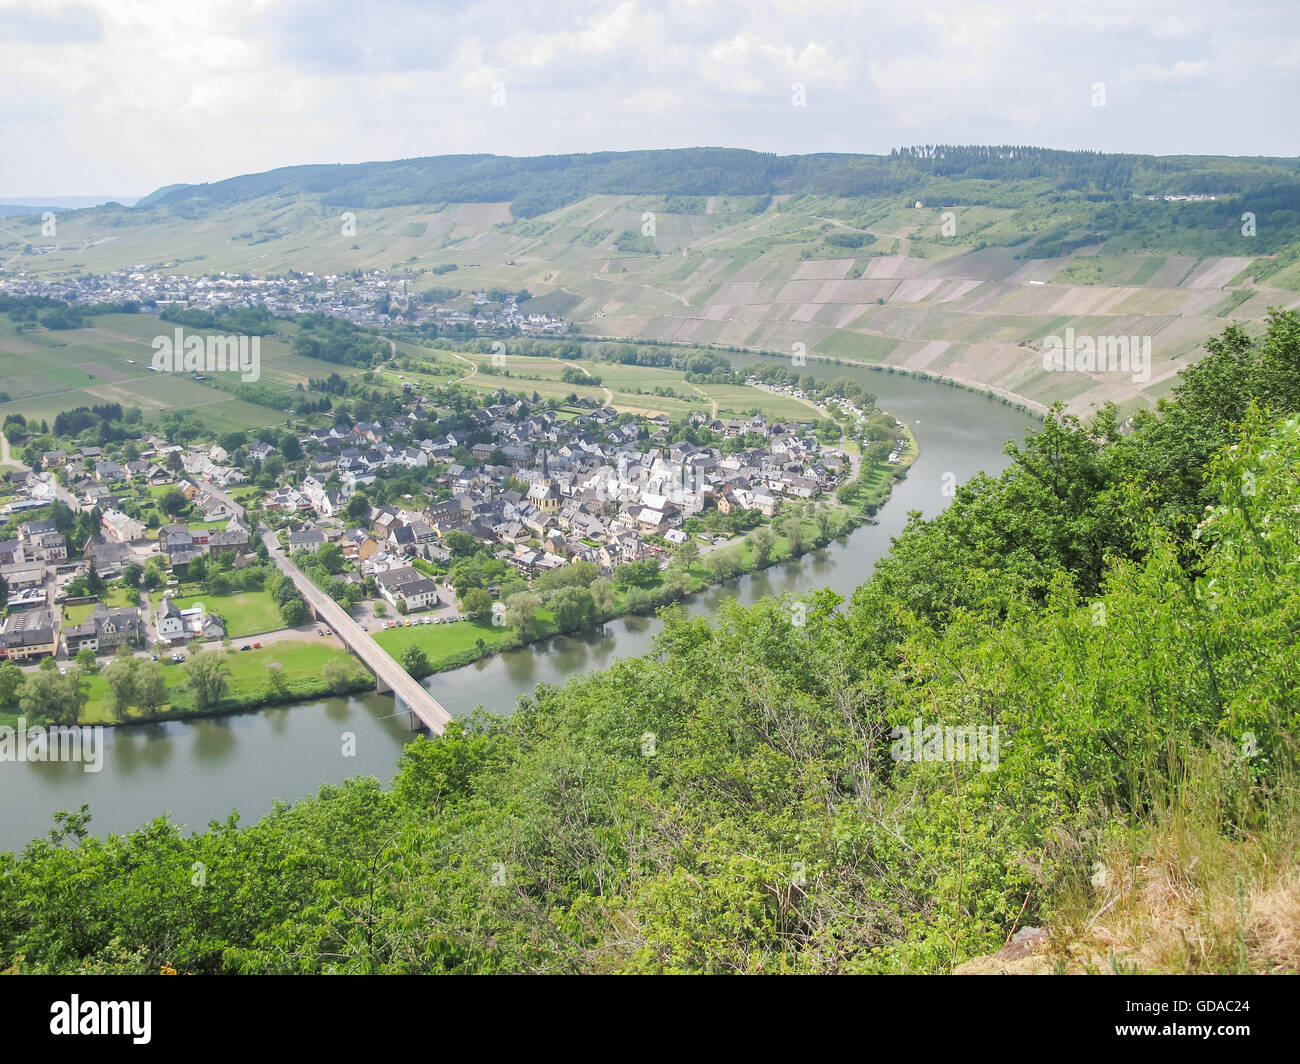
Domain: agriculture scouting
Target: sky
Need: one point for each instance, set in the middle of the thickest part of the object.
(120, 97)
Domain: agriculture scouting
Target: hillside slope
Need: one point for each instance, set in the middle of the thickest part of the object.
(1009, 246)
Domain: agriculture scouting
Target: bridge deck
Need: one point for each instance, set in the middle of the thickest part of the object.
(409, 691)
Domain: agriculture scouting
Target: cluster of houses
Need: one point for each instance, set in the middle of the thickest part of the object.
(541, 490)
(375, 298)
(29, 563)
(26, 561)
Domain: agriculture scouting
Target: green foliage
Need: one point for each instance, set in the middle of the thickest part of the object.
(741, 799)
(208, 676)
(416, 661)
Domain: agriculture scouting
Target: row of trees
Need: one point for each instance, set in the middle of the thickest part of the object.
(59, 695)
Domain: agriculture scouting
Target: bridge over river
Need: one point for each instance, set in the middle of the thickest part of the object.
(390, 676)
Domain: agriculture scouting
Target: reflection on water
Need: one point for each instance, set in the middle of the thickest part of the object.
(202, 770)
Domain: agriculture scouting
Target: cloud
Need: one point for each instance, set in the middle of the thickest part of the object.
(45, 25)
(1182, 71)
(127, 95)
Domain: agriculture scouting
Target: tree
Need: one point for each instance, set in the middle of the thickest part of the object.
(762, 540)
(46, 694)
(294, 613)
(521, 612)
(173, 503)
(415, 661)
(337, 675)
(688, 552)
(208, 672)
(476, 604)
(230, 442)
(604, 597)
(822, 516)
(639, 600)
(11, 679)
(86, 660)
(724, 564)
(461, 544)
(284, 590)
(677, 582)
(151, 692)
(276, 678)
(121, 674)
(573, 608)
(381, 610)
(358, 508)
(330, 558)
(795, 533)
(637, 574)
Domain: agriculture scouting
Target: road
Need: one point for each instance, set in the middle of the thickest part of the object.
(408, 691)
(5, 457)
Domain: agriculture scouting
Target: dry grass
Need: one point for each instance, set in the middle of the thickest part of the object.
(1208, 884)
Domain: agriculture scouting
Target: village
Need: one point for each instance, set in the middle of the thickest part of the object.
(372, 298)
(162, 531)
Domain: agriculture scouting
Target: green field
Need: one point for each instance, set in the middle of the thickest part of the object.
(45, 372)
(301, 665)
(246, 613)
(444, 643)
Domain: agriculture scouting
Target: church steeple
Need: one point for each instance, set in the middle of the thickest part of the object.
(544, 494)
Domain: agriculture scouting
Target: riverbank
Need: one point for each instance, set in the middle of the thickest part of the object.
(277, 674)
(452, 646)
(201, 769)
(289, 671)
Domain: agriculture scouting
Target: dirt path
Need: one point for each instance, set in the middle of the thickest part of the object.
(712, 402)
(6, 458)
(609, 396)
(641, 284)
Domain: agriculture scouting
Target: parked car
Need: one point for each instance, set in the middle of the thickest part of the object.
(246, 647)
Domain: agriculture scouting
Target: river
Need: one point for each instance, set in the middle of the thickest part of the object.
(202, 770)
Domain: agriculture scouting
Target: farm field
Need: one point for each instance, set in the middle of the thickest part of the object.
(542, 374)
(45, 372)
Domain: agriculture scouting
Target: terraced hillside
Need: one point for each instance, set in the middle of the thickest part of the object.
(959, 262)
